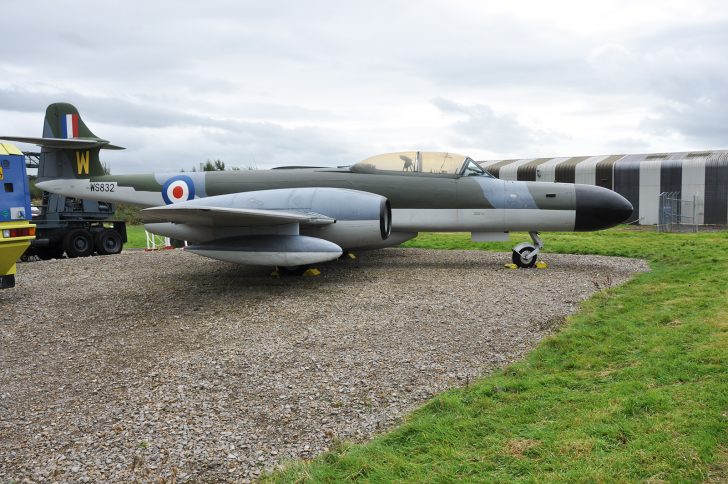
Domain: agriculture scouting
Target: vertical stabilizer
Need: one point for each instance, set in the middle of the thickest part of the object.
(63, 121)
(68, 148)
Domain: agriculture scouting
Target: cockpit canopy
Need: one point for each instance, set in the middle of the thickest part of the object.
(432, 162)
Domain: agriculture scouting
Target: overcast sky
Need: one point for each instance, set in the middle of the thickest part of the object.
(330, 82)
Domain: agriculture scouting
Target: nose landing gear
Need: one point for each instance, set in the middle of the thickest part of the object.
(525, 254)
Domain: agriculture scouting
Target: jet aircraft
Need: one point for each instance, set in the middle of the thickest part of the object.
(297, 216)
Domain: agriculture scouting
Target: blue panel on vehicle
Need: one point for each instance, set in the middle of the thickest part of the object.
(14, 191)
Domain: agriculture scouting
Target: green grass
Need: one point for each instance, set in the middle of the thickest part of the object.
(136, 238)
(633, 388)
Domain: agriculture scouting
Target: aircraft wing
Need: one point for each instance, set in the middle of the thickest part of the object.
(64, 143)
(211, 216)
(278, 227)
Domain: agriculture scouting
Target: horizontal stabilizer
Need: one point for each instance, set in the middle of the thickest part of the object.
(211, 216)
(65, 144)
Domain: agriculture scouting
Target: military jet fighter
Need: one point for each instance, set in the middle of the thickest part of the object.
(300, 216)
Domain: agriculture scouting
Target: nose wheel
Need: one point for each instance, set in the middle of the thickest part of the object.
(525, 254)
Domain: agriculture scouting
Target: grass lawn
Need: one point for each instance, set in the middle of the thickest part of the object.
(136, 238)
(633, 388)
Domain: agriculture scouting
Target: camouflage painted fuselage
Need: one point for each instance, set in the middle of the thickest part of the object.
(420, 201)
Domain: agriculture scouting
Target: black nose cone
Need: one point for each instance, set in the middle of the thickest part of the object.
(599, 208)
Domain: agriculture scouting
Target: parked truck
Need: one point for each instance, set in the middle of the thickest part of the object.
(16, 231)
(74, 227)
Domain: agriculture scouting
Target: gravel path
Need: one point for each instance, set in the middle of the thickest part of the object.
(166, 364)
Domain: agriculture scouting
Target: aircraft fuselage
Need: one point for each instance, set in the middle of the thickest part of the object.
(419, 201)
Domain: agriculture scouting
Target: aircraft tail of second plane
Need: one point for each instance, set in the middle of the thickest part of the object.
(69, 148)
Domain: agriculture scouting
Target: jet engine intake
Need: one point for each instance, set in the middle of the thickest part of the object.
(370, 229)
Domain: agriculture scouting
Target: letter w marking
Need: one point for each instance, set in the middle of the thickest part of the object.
(82, 162)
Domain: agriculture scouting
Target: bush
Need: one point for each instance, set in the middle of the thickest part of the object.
(128, 213)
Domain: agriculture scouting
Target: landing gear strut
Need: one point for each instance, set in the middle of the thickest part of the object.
(525, 254)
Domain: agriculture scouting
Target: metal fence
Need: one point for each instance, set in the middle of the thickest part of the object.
(677, 214)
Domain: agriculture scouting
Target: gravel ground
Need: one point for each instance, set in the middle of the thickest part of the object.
(166, 364)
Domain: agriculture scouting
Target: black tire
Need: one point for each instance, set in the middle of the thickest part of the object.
(48, 253)
(78, 243)
(8, 281)
(176, 243)
(293, 270)
(55, 251)
(44, 254)
(108, 242)
(520, 261)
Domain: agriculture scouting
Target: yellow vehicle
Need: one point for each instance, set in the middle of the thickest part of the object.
(16, 231)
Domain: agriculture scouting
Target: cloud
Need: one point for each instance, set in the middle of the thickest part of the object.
(284, 81)
(165, 139)
(703, 121)
(104, 109)
(627, 145)
(480, 125)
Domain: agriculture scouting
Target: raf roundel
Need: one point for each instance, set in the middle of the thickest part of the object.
(178, 189)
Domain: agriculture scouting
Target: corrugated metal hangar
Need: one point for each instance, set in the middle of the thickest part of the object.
(699, 178)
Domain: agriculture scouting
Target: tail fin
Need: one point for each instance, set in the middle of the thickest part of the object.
(63, 121)
(68, 148)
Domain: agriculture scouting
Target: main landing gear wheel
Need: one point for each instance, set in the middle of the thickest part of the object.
(293, 270)
(78, 243)
(525, 255)
(108, 242)
(45, 254)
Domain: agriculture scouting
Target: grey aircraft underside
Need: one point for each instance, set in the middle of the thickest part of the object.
(300, 216)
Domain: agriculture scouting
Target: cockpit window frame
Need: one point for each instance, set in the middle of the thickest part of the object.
(467, 163)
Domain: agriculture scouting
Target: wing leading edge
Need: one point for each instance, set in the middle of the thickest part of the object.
(212, 216)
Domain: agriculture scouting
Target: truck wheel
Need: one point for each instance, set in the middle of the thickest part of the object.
(6, 282)
(78, 243)
(108, 242)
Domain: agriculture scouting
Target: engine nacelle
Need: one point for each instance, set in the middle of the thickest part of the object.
(362, 222)
(363, 219)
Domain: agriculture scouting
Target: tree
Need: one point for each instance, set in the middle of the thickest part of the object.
(216, 165)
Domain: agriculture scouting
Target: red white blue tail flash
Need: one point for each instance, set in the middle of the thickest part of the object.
(178, 189)
(69, 126)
